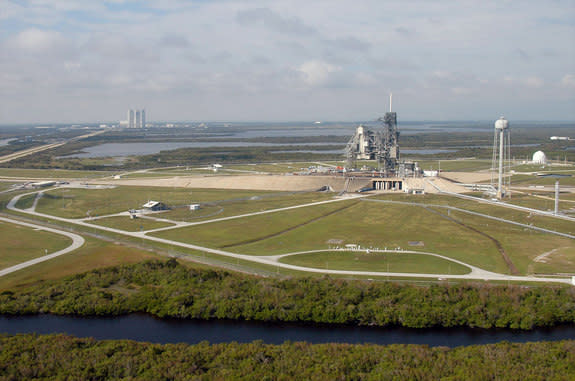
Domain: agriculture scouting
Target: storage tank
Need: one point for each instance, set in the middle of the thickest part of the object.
(539, 158)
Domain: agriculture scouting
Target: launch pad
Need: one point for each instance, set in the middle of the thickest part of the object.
(381, 145)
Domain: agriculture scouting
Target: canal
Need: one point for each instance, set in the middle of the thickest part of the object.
(141, 327)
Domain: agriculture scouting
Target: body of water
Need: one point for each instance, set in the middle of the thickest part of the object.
(143, 148)
(141, 327)
(4, 142)
(135, 149)
(403, 151)
(405, 129)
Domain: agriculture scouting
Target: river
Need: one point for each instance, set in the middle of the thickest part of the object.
(142, 327)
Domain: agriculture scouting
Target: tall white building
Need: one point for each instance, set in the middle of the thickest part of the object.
(137, 118)
(131, 119)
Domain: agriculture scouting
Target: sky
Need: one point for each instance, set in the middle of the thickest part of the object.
(286, 60)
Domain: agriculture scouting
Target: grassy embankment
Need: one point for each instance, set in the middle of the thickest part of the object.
(95, 254)
(50, 173)
(362, 261)
(20, 243)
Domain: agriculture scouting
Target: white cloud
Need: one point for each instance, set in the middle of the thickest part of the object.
(533, 82)
(256, 50)
(317, 73)
(37, 40)
(568, 81)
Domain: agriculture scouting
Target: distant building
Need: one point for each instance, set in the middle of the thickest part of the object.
(194, 206)
(559, 138)
(539, 158)
(136, 118)
(131, 119)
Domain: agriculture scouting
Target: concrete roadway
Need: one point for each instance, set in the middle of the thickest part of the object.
(30, 151)
(476, 273)
(77, 242)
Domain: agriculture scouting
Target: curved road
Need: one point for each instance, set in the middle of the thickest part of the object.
(77, 242)
(476, 273)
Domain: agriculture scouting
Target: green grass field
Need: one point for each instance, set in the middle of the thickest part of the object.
(367, 224)
(230, 234)
(361, 261)
(545, 204)
(385, 226)
(489, 209)
(462, 165)
(93, 255)
(170, 172)
(525, 180)
(51, 173)
(543, 168)
(26, 202)
(128, 224)
(20, 243)
(237, 207)
(523, 245)
(471, 239)
(75, 203)
(273, 167)
(6, 185)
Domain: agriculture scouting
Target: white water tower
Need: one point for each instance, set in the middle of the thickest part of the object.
(501, 158)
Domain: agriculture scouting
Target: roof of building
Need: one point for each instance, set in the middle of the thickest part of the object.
(539, 157)
(151, 204)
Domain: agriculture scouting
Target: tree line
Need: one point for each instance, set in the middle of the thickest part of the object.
(170, 289)
(64, 357)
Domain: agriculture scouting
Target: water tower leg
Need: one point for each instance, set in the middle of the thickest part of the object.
(500, 180)
(556, 197)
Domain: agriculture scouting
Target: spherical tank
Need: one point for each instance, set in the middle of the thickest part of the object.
(501, 124)
(539, 158)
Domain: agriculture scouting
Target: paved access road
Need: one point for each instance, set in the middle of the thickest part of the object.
(30, 151)
(77, 242)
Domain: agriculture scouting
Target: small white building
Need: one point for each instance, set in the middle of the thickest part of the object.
(154, 206)
(194, 206)
(539, 158)
(42, 184)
